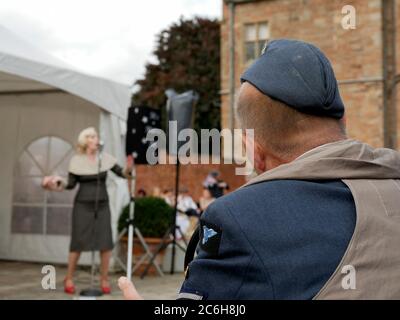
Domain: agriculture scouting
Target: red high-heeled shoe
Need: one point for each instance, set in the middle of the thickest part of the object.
(68, 289)
(106, 289)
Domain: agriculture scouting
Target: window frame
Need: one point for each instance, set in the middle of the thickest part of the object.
(257, 48)
(44, 203)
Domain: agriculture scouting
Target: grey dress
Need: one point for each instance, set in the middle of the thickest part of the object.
(91, 223)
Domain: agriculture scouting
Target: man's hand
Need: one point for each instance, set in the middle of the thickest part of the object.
(128, 289)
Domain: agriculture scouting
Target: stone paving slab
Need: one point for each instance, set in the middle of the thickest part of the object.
(22, 281)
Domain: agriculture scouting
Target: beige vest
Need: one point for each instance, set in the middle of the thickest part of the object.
(373, 177)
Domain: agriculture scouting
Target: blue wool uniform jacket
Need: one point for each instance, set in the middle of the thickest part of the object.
(278, 239)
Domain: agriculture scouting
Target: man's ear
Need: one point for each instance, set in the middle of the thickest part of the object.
(259, 158)
(259, 155)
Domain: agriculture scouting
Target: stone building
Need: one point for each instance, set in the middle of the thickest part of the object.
(364, 58)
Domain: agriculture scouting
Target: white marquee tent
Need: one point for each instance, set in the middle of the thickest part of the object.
(44, 104)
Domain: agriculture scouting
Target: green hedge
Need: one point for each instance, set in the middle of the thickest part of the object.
(153, 216)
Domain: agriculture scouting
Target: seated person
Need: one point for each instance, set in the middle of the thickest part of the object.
(186, 204)
(206, 199)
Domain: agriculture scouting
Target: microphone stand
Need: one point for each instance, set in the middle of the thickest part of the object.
(131, 227)
(92, 291)
(170, 235)
(132, 231)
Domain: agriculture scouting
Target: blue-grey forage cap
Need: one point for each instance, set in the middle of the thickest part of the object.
(298, 74)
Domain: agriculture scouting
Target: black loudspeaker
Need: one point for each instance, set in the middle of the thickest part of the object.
(180, 108)
(141, 119)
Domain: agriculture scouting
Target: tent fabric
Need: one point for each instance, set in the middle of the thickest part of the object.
(20, 58)
(110, 131)
(41, 96)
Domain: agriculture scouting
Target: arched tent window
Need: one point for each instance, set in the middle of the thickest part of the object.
(35, 210)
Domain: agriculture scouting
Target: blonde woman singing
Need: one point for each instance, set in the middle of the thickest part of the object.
(89, 232)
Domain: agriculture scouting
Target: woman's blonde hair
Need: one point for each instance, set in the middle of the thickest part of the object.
(82, 138)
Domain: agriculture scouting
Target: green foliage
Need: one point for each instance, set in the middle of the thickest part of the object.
(153, 216)
(188, 58)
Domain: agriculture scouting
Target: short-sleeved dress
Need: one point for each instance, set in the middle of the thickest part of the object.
(91, 219)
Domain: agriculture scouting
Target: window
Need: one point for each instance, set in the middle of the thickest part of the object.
(35, 210)
(255, 36)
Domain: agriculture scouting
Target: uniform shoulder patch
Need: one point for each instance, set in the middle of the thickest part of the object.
(210, 238)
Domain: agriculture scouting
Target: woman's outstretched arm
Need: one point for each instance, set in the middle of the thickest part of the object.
(124, 173)
(71, 182)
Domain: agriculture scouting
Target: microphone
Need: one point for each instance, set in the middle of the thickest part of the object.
(100, 145)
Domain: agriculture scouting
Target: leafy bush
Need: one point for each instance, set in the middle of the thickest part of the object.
(153, 216)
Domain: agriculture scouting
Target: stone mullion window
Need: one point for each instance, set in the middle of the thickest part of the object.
(255, 37)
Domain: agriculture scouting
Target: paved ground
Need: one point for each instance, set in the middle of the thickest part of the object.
(23, 281)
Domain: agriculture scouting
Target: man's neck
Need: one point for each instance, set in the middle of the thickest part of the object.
(275, 161)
